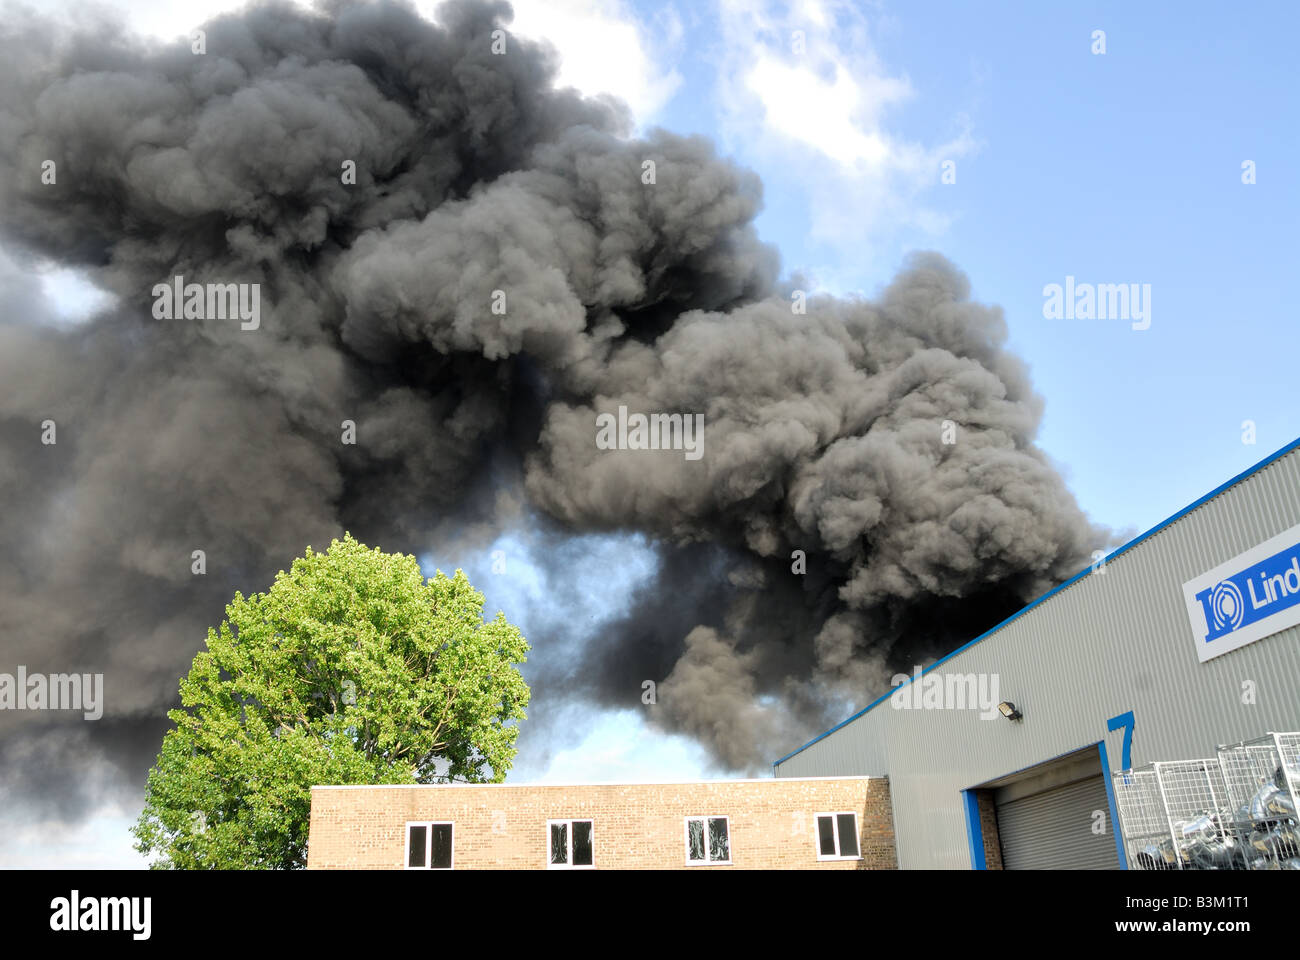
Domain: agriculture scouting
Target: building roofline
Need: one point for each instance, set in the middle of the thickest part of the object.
(1248, 472)
(595, 783)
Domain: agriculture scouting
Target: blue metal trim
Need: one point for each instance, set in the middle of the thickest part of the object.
(974, 832)
(1114, 810)
(1078, 576)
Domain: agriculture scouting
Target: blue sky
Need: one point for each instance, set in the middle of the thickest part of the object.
(1122, 167)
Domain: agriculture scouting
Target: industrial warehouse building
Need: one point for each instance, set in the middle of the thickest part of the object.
(1182, 640)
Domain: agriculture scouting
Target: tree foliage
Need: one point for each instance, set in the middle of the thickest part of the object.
(353, 668)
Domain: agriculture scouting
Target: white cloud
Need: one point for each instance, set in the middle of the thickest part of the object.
(826, 112)
(604, 48)
(801, 105)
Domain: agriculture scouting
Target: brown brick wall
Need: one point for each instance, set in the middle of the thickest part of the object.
(989, 827)
(634, 825)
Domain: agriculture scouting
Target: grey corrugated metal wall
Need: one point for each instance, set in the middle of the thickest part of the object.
(1106, 644)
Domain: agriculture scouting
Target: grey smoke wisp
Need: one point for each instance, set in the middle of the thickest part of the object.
(473, 174)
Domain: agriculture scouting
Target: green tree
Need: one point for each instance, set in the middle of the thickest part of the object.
(352, 668)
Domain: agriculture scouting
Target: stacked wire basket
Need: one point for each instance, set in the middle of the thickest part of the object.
(1234, 811)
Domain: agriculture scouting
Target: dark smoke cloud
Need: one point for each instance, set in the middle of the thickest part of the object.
(473, 175)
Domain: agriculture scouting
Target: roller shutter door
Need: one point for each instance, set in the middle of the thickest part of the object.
(1052, 830)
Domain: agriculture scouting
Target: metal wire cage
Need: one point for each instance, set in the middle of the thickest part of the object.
(1263, 783)
(1174, 817)
(1201, 825)
(1148, 844)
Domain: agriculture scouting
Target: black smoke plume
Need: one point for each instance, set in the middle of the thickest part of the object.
(824, 429)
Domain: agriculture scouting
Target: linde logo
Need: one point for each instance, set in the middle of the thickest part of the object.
(1247, 598)
(1225, 608)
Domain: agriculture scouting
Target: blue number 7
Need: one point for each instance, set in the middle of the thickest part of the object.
(1124, 720)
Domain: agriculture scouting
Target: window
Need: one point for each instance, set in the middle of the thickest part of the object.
(837, 836)
(570, 844)
(428, 846)
(708, 840)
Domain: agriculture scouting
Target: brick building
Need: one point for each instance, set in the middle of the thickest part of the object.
(785, 823)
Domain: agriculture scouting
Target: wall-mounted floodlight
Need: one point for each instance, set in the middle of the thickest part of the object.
(1008, 710)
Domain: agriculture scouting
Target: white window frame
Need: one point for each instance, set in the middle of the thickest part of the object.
(428, 850)
(568, 844)
(835, 827)
(706, 862)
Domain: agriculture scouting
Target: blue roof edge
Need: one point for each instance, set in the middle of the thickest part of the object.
(1249, 471)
